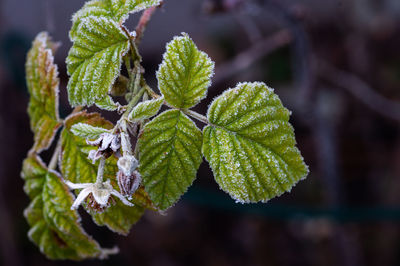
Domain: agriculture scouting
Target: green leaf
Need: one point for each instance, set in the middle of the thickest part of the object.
(33, 172)
(250, 144)
(57, 202)
(42, 82)
(55, 228)
(87, 131)
(119, 218)
(107, 103)
(117, 10)
(50, 244)
(94, 60)
(170, 154)
(75, 165)
(145, 110)
(77, 168)
(185, 73)
(120, 9)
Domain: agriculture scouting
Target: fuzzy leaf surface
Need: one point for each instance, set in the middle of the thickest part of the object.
(117, 10)
(185, 73)
(169, 155)
(145, 110)
(55, 228)
(250, 144)
(43, 84)
(94, 60)
(77, 168)
(87, 131)
(107, 103)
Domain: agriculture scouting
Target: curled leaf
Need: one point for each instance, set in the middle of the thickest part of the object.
(43, 84)
(55, 228)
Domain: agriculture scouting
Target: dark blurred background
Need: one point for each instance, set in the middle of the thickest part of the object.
(334, 63)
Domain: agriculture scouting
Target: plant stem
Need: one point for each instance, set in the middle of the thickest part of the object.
(197, 116)
(100, 171)
(149, 90)
(137, 78)
(128, 66)
(54, 158)
(133, 102)
(144, 20)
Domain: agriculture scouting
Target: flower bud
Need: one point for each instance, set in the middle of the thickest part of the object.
(128, 184)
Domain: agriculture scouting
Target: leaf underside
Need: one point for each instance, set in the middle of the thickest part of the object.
(250, 144)
(169, 155)
(43, 83)
(55, 228)
(185, 73)
(87, 131)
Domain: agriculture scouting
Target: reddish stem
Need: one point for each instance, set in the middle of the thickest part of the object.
(144, 20)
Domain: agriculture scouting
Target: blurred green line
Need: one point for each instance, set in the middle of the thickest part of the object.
(221, 201)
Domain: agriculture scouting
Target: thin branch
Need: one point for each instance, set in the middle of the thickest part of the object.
(250, 56)
(100, 171)
(54, 158)
(360, 90)
(144, 20)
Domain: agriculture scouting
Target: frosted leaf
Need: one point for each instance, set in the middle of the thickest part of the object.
(169, 156)
(43, 85)
(117, 10)
(87, 131)
(120, 9)
(107, 103)
(185, 73)
(250, 144)
(54, 227)
(145, 110)
(94, 60)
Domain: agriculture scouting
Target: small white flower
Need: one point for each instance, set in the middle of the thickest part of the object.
(107, 144)
(101, 193)
(106, 141)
